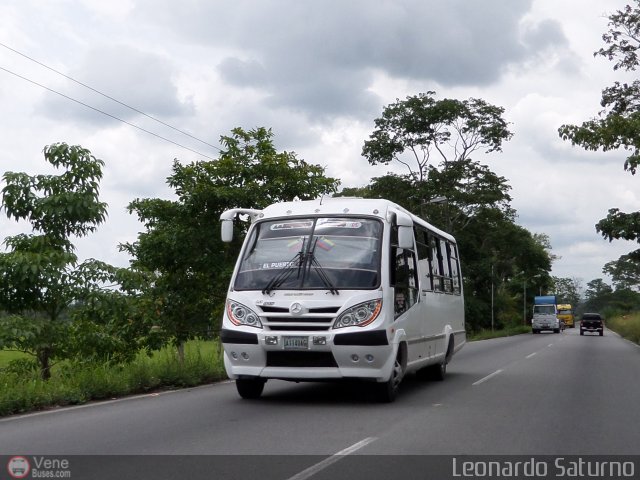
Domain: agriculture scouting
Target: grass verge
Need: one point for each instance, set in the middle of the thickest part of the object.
(627, 326)
(71, 384)
(504, 332)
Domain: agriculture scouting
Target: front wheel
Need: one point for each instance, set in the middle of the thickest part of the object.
(250, 388)
(387, 392)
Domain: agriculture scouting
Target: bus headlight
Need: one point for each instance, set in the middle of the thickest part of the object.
(359, 315)
(241, 315)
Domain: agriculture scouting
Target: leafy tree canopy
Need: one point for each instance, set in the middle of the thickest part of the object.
(624, 272)
(41, 278)
(413, 130)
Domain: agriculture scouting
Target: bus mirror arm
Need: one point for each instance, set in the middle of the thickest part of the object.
(227, 217)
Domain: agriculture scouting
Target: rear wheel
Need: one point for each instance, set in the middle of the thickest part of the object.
(250, 388)
(581, 332)
(601, 333)
(439, 371)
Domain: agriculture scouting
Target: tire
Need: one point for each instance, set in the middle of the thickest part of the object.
(439, 371)
(386, 392)
(601, 333)
(534, 331)
(250, 388)
(581, 332)
(556, 330)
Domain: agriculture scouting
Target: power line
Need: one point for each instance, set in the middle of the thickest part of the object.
(107, 96)
(105, 113)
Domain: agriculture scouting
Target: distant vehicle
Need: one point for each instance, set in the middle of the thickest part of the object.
(565, 314)
(545, 314)
(592, 323)
(341, 288)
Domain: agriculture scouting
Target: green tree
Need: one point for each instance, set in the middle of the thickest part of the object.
(41, 277)
(618, 124)
(600, 297)
(568, 290)
(414, 130)
(624, 272)
(181, 244)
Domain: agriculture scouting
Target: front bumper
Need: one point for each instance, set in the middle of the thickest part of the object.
(326, 356)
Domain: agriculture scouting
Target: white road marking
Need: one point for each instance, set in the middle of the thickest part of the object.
(531, 355)
(312, 470)
(484, 379)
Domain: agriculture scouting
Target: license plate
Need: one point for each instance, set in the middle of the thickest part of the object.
(296, 343)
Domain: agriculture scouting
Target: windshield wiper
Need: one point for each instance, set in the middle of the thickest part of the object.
(322, 273)
(285, 273)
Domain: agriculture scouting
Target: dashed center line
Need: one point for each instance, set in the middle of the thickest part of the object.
(484, 379)
(531, 355)
(313, 469)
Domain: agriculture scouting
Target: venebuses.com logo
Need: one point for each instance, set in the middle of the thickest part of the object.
(18, 467)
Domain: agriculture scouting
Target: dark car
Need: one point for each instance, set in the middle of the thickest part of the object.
(591, 322)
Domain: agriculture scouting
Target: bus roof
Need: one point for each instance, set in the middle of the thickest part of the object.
(344, 205)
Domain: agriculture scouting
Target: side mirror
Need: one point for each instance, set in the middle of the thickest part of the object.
(405, 237)
(226, 230)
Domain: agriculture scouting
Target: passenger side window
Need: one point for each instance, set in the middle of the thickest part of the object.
(405, 281)
(452, 250)
(436, 265)
(424, 258)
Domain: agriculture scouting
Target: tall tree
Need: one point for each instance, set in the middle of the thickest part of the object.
(624, 272)
(181, 245)
(41, 276)
(414, 130)
(568, 290)
(618, 124)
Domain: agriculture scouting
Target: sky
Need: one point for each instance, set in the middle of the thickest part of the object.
(318, 74)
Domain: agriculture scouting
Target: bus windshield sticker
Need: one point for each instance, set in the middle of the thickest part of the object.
(291, 225)
(325, 244)
(337, 223)
(295, 245)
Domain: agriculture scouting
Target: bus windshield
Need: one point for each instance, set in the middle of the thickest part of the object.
(312, 253)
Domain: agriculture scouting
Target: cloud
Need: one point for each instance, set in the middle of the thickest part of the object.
(320, 58)
(135, 78)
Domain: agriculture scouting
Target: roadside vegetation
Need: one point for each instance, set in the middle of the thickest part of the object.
(628, 326)
(509, 331)
(71, 383)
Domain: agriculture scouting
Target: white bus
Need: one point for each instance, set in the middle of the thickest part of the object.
(341, 288)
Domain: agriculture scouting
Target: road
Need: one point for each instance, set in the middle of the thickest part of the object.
(546, 394)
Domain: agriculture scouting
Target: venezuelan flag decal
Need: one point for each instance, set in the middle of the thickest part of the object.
(325, 244)
(295, 245)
